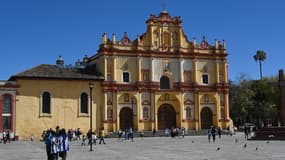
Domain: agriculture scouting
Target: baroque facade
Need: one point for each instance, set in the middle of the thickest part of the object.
(159, 80)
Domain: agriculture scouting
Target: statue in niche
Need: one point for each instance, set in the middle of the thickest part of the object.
(166, 67)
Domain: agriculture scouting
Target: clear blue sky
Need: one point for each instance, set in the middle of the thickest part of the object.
(34, 32)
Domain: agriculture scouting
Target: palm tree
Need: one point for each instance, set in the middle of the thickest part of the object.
(260, 56)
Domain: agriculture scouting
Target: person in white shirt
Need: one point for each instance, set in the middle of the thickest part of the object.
(63, 144)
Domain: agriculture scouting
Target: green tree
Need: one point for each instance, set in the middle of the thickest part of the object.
(260, 56)
(255, 101)
(242, 103)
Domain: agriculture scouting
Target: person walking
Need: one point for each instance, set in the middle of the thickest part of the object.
(246, 132)
(102, 136)
(209, 135)
(183, 130)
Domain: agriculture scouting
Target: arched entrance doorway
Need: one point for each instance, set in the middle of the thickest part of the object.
(206, 118)
(166, 116)
(126, 118)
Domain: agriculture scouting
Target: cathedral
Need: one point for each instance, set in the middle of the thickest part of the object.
(159, 80)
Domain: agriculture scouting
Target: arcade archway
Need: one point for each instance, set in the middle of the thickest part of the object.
(126, 118)
(166, 116)
(206, 118)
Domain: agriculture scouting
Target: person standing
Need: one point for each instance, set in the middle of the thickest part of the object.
(153, 132)
(47, 140)
(102, 136)
(54, 145)
(219, 132)
(4, 137)
(63, 144)
(94, 137)
(89, 137)
(120, 134)
(141, 134)
(131, 134)
(213, 133)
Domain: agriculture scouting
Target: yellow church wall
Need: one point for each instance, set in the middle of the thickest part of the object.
(188, 125)
(173, 102)
(128, 64)
(207, 67)
(65, 97)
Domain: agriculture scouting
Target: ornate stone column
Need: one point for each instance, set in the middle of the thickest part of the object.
(217, 72)
(115, 112)
(195, 71)
(197, 111)
(139, 109)
(139, 61)
(181, 62)
(114, 68)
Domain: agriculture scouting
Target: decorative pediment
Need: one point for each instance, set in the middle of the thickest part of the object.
(125, 40)
(164, 34)
(204, 44)
(109, 102)
(145, 102)
(188, 102)
(164, 18)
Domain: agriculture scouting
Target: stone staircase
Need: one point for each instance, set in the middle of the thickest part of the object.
(160, 133)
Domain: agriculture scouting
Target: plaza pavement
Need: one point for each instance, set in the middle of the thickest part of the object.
(155, 148)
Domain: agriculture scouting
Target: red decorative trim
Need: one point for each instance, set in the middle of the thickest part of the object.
(154, 87)
(188, 102)
(189, 120)
(224, 120)
(109, 121)
(161, 54)
(143, 120)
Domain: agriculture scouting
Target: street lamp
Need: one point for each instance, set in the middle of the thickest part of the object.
(132, 101)
(91, 85)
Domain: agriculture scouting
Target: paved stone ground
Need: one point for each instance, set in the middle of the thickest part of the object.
(163, 148)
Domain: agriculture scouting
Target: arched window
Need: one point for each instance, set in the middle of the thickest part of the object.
(84, 103)
(46, 103)
(145, 113)
(188, 112)
(164, 82)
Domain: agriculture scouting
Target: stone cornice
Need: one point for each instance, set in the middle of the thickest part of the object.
(141, 86)
(158, 54)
